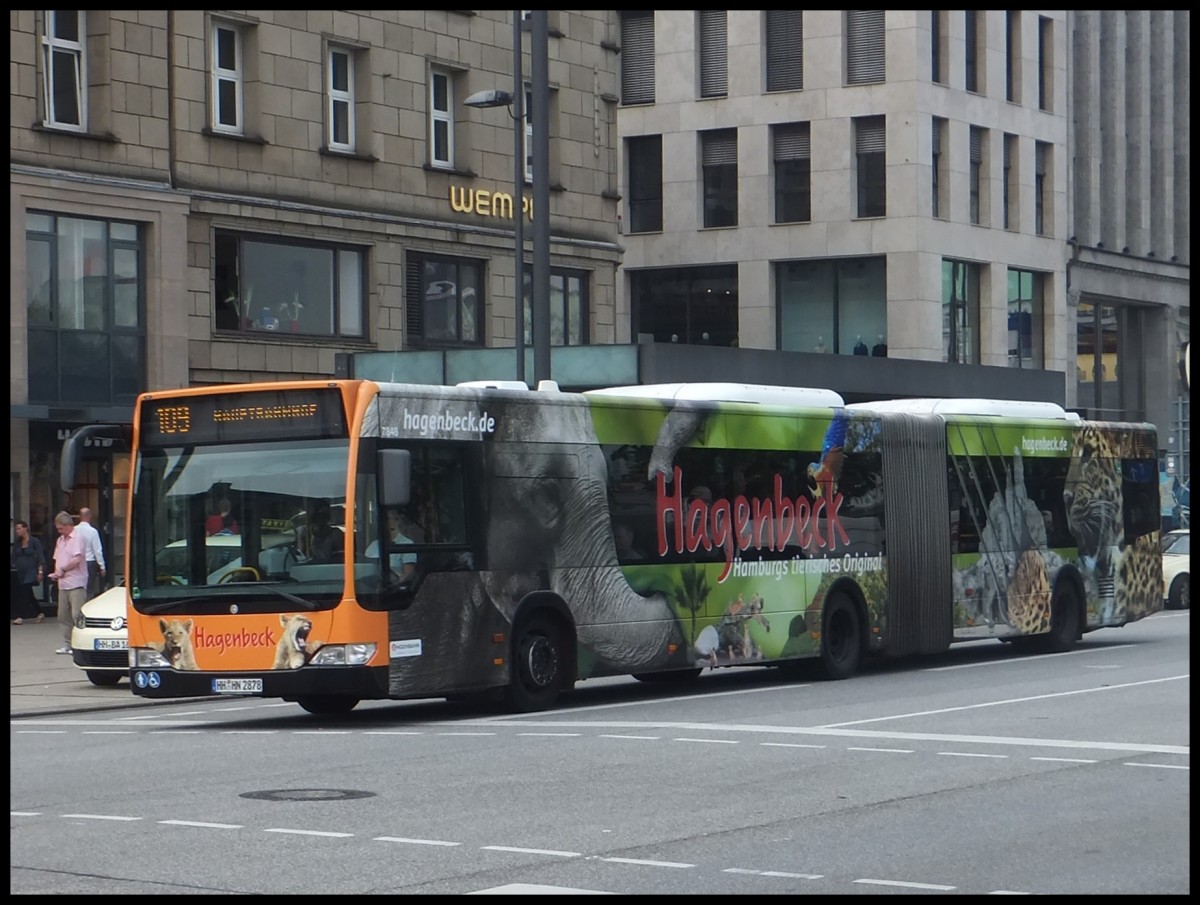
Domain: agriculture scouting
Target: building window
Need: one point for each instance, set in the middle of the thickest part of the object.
(793, 173)
(871, 158)
(938, 33)
(228, 90)
(569, 307)
(718, 158)
(864, 46)
(644, 159)
(1012, 219)
(85, 294)
(443, 301)
(265, 285)
(340, 93)
(785, 49)
(441, 118)
(1025, 316)
(637, 57)
(1043, 220)
(836, 305)
(972, 47)
(938, 166)
(64, 69)
(1045, 57)
(714, 53)
(960, 312)
(1012, 55)
(978, 140)
(697, 305)
(1111, 365)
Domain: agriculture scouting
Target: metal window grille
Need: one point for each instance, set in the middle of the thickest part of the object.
(637, 57)
(714, 53)
(785, 49)
(865, 46)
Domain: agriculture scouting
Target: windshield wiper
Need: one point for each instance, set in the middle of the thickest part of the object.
(307, 604)
(171, 604)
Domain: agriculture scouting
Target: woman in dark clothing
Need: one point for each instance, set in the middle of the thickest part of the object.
(28, 560)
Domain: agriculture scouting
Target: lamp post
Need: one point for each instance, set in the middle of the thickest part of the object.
(495, 97)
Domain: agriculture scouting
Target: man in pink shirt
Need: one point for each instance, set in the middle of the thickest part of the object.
(71, 573)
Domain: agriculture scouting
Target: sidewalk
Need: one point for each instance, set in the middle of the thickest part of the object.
(42, 682)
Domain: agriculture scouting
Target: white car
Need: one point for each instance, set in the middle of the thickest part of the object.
(1176, 569)
(100, 638)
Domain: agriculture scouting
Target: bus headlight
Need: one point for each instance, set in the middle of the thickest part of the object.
(344, 655)
(147, 658)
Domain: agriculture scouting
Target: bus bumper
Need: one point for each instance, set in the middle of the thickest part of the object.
(362, 682)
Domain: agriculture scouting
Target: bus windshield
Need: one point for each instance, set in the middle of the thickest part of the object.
(208, 519)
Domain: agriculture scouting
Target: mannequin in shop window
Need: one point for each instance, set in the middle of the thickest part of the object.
(880, 349)
(860, 347)
(820, 346)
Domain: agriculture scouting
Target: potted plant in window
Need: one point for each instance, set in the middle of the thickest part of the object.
(289, 313)
(241, 306)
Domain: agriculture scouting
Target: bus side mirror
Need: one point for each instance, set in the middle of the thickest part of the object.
(72, 449)
(395, 476)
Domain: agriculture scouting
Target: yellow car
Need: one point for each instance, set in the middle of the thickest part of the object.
(1176, 577)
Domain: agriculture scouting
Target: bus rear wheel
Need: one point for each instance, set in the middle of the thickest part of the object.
(327, 704)
(538, 667)
(1064, 621)
(841, 638)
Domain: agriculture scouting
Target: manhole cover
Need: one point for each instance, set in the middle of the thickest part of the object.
(308, 794)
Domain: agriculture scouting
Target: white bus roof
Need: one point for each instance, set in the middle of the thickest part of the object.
(729, 392)
(1012, 408)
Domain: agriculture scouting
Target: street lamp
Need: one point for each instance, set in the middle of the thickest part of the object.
(496, 97)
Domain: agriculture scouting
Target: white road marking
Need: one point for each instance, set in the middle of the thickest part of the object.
(390, 731)
(789, 745)
(550, 734)
(933, 886)
(24, 813)
(1036, 697)
(309, 833)
(109, 732)
(884, 750)
(1067, 760)
(414, 841)
(640, 738)
(709, 741)
(206, 826)
(771, 873)
(647, 863)
(533, 889)
(1159, 766)
(101, 817)
(969, 754)
(531, 851)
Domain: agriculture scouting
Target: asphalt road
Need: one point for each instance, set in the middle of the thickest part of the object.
(973, 772)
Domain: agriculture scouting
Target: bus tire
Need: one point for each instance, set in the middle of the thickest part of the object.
(669, 676)
(327, 704)
(841, 638)
(104, 678)
(1064, 621)
(538, 666)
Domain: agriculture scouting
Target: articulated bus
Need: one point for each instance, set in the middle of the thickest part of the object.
(494, 541)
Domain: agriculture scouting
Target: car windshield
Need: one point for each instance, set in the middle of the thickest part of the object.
(1176, 544)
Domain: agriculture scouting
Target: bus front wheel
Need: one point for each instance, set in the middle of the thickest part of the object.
(327, 704)
(841, 638)
(538, 667)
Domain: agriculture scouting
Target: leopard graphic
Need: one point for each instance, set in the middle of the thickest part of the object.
(1028, 596)
(1127, 576)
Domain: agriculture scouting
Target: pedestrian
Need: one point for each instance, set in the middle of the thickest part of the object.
(28, 560)
(70, 572)
(95, 553)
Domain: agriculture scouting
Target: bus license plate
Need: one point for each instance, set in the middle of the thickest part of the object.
(111, 644)
(237, 686)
